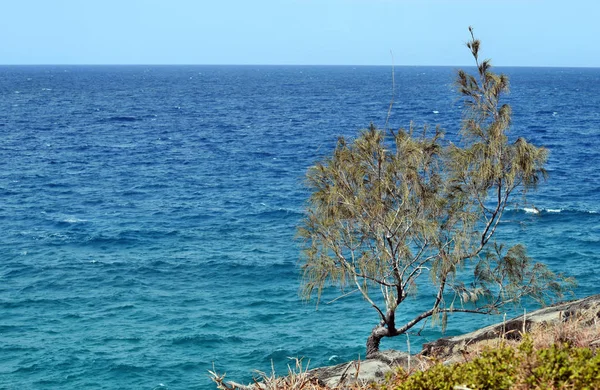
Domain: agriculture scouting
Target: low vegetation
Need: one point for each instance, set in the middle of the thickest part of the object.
(562, 356)
(560, 366)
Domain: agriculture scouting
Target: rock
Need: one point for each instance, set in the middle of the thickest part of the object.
(364, 371)
(587, 310)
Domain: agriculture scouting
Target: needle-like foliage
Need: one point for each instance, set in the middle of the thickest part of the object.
(389, 207)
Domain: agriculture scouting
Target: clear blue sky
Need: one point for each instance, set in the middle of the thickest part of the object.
(418, 32)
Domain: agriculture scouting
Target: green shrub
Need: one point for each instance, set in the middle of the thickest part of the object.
(561, 366)
(556, 367)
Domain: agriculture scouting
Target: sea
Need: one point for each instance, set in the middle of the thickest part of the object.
(148, 214)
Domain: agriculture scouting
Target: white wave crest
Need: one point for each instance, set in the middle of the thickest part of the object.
(74, 220)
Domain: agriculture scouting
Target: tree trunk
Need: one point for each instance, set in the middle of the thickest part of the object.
(374, 340)
(372, 345)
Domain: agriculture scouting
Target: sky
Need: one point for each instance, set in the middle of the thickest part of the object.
(299, 32)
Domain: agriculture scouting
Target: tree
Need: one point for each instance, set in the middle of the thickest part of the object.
(390, 207)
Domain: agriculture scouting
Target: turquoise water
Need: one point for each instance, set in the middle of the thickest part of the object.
(149, 213)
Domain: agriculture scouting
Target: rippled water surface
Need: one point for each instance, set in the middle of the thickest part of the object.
(149, 213)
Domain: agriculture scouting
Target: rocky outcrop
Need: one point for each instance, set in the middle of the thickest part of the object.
(364, 371)
(449, 348)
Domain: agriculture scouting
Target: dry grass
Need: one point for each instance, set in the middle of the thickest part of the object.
(580, 332)
(297, 378)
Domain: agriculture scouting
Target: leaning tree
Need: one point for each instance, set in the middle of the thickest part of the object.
(388, 208)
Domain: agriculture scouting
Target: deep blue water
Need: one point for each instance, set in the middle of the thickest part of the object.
(148, 213)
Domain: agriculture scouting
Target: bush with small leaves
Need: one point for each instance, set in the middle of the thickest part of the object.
(509, 367)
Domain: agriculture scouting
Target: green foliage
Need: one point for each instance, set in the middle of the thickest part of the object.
(557, 367)
(490, 371)
(561, 366)
(390, 206)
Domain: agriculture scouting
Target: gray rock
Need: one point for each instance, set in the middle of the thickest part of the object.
(587, 309)
(365, 371)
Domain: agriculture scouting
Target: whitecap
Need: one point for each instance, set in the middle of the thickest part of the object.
(435, 112)
(531, 210)
(554, 210)
(73, 220)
